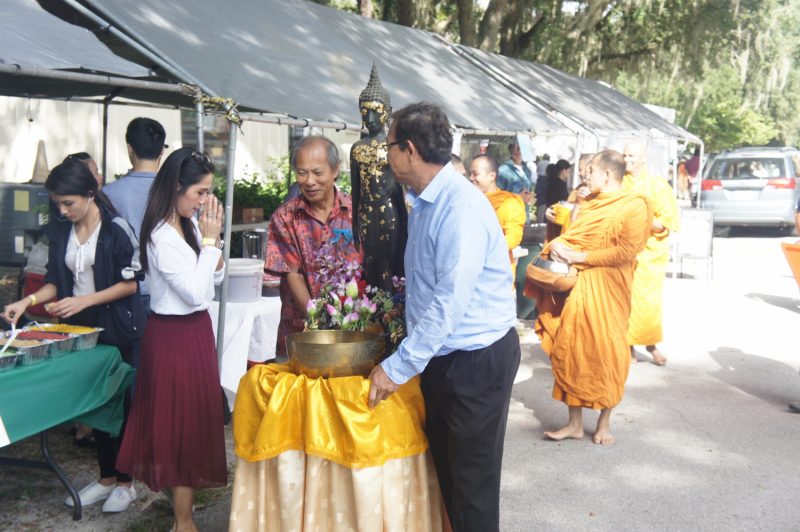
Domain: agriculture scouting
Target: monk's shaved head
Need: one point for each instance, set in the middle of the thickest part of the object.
(637, 146)
(635, 154)
(610, 161)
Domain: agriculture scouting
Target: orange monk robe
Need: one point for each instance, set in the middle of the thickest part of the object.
(584, 332)
(648, 281)
(510, 211)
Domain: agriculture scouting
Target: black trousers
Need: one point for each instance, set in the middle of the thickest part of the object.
(466, 398)
(108, 445)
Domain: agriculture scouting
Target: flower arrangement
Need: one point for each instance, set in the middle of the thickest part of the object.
(347, 303)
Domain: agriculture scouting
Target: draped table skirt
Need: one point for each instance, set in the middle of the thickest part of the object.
(312, 456)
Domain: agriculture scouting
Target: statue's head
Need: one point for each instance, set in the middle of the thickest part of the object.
(374, 104)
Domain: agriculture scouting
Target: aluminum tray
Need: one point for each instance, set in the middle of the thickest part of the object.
(34, 354)
(86, 341)
(59, 348)
(8, 361)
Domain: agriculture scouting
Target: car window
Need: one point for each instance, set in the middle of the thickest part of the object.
(747, 168)
(796, 163)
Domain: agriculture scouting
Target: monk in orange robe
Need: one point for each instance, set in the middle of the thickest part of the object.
(584, 331)
(509, 207)
(578, 195)
(651, 267)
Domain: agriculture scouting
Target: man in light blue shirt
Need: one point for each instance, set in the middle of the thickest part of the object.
(460, 316)
(145, 138)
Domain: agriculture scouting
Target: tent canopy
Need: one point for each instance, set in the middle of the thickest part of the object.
(310, 61)
(592, 103)
(298, 58)
(34, 41)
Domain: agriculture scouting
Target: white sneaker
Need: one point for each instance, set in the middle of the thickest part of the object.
(120, 499)
(94, 492)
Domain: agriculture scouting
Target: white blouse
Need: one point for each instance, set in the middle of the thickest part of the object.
(80, 261)
(180, 281)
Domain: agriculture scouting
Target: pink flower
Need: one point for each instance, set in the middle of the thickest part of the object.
(348, 304)
(311, 308)
(331, 310)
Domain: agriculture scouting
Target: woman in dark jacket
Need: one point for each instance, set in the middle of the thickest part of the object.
(92, 272)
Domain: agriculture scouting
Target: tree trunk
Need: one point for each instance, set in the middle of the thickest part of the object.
(490, 24)
(405, 13)
(366, 9)
(466, 22)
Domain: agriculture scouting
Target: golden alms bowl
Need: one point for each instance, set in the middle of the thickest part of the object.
(334, 353)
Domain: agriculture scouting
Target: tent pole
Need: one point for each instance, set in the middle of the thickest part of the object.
(199, 110)
(110, 81)
(699, 178)
(226, 251)
(106, 101)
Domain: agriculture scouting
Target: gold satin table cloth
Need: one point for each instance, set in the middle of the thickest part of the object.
(312, 456)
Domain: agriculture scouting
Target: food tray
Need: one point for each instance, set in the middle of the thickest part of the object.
(83, 340)
(87, 341)
(8, 361)
(33, 355)
(59, 348)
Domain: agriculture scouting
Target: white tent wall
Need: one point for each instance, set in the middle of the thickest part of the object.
(68, 127)
(557, 147)
(256, 145)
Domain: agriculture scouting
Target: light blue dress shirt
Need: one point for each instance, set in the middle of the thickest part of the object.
(129, 196)
(458, 284)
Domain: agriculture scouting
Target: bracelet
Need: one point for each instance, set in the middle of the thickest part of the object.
(33, 299)
(209, 242)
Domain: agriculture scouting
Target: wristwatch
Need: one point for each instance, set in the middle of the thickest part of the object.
(219, 244)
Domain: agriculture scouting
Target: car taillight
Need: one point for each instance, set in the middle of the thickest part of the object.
(711, 184)
(781, 182)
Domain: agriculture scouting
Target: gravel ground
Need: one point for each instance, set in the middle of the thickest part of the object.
(33, 500)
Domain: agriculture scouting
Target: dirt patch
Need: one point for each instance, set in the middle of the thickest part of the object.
(33, 500)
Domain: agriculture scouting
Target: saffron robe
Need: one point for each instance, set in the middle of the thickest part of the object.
(651, 268)
(584, 331)
(510, 211)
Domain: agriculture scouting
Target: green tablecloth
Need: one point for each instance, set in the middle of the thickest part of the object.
(85, 385)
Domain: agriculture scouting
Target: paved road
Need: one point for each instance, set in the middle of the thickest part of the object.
(705, 443)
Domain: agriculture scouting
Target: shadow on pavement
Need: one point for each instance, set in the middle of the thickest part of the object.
(757, 232)
(788, 303)
(764, 378)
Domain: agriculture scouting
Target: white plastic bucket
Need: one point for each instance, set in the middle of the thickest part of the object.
(245, 277)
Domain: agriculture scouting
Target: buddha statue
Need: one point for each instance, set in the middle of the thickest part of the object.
(379, 210)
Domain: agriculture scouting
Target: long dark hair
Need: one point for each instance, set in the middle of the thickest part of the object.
(183, 168)
(73, 178)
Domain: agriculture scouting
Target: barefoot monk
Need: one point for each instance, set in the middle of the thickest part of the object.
(648, 280)
(584, 332)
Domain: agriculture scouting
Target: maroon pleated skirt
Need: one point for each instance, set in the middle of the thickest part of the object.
(175, 434)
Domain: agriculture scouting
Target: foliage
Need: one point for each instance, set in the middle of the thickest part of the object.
(255, 190)
(347, 303)
(728, 68)
(343, 182)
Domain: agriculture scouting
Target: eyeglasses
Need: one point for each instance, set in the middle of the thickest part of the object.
(395, 143)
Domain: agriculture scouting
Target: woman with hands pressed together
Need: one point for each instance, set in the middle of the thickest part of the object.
(93, 269)
(175, 434)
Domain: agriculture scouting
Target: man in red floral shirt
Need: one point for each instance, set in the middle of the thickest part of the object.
(301, 226)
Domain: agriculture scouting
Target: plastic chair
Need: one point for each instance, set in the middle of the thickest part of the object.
(792, 252)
